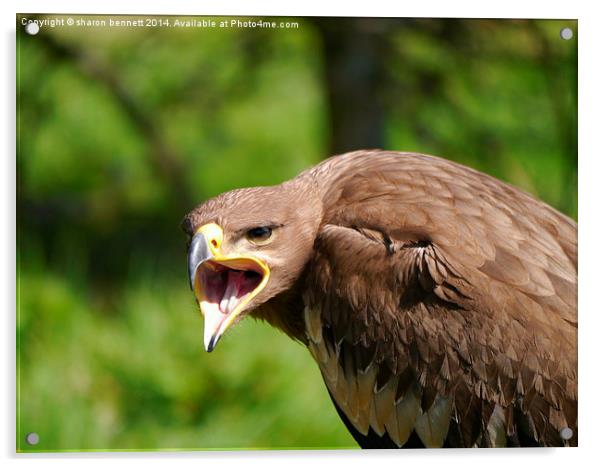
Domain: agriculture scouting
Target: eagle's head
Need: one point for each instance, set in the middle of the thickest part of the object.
(246, 247)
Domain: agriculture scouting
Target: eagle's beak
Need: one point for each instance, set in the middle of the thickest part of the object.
(222, 284)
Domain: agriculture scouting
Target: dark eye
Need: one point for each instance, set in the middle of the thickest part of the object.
(259, 235)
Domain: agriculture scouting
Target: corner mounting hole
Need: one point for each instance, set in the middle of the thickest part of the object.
(32, 438)
(566, 34)
(566, 433)
(32, 28)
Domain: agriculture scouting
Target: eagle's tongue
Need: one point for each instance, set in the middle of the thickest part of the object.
(216, 310)
(230, 297)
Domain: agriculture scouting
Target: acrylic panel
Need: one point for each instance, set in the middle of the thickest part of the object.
(417, 291)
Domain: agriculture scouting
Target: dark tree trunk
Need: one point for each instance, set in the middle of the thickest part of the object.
(354, 67)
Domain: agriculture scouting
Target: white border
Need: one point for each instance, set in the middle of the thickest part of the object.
(590, 200)
(427, 8)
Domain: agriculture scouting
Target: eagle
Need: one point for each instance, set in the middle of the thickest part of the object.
(438, 302)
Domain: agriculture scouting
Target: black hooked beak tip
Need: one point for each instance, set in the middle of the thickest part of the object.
(198, 253)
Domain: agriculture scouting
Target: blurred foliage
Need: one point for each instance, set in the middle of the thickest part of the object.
(122, 131)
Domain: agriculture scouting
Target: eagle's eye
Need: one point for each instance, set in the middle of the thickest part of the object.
(259, 235)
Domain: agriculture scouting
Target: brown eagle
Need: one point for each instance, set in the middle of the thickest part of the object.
(438, 302)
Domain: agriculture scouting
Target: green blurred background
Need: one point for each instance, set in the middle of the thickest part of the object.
(121, 131)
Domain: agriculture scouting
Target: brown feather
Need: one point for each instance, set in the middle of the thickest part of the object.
(432, 425)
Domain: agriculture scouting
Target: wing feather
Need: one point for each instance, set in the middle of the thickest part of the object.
(452, 296)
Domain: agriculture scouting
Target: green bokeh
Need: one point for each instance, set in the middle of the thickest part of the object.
(109, 341)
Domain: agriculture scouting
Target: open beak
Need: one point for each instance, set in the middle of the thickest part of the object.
(222, 284)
